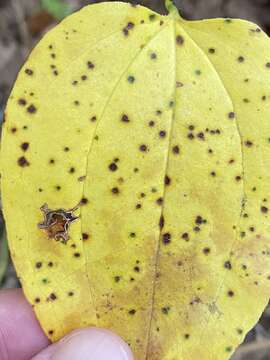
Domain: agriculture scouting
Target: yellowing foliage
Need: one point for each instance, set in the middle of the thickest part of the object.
(159, 129)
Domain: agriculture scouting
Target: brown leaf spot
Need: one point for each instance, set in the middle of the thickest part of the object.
(143, 148)
(29, 72)
(231, 115)
(264, 209)
(228, 265)
(125, 118)
(22, 102)
(180, 40)
(166, 238)
(84, 201)
(113, 167)
(22, 161)
(32, 109)
(24, 146)
(90, 65)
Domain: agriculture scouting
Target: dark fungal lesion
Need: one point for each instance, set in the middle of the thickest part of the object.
(125, 118)
(84, 201)
(113, 166)
(240, 59)
(166, 238)
(206, 250)
(152, 17)
(185, 236)
(227, 265)
(143, 148)
(162, 134)
(52, 297)
(115, 190)
(231, 115)
(180, 40)
(238, 178)
(130, 25)
(29, 72)
(211, 50)
(25, 146)
(31, 109)
(90, 65)
(200, 136)
(93, 118)
(165, 310)
(23, 162)
(167, 180)
(22, 102)
(176, 149)
(264, 209)
(131, 79)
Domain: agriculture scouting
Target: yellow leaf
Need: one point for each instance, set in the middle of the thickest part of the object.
(155, 133)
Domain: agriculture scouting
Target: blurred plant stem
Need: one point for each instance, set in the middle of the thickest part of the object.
(4, 256)
(57, 8)
(23, 31)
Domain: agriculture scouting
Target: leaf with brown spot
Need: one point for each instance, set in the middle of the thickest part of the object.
(176, 271)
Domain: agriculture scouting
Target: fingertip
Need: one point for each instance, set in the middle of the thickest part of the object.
(21, 336)
(90, 343)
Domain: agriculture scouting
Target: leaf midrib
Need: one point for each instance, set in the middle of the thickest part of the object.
(133, 60)
(157, 255)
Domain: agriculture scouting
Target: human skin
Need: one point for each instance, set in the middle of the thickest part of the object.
(21, 337)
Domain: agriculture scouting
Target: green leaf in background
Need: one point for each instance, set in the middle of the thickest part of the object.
(57, 8)
(3, 255)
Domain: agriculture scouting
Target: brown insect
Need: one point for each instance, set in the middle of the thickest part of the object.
(57, 222)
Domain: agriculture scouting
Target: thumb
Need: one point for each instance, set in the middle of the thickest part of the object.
(87, 344)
